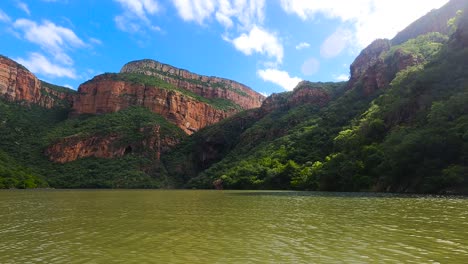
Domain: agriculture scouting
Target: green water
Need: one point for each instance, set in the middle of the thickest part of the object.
(230, 227)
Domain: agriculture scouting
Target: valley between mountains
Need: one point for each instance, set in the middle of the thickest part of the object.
(400, 124)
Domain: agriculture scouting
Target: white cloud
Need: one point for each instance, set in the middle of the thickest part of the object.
(51, 38)
(4, 17)
(302, 45)
(341, 77)
(310, 66)
(243, 13)
(195, 10)
(24, 7)
(39, 64)
(140, 7)
(260, 41)
(125, 23)
(280, 78)
(335, 43)
(371, 19)
(135, 16)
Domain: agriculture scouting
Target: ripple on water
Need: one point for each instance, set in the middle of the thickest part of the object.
(230, 227)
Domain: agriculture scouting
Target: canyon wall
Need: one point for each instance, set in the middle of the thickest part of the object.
(208, 87)
(18, 84)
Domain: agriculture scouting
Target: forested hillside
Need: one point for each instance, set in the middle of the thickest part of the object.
(400, 124)
(408, 135)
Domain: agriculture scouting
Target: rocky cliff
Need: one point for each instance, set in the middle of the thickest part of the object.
(368, 67)
(105, 94)
(20, 85)
(304, 93)
(208, 87)
(434, 21)
(72, 148)
(378, 64)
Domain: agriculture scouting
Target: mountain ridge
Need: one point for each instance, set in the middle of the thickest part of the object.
(398, 125)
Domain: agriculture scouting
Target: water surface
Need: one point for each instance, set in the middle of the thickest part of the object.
(61, 226)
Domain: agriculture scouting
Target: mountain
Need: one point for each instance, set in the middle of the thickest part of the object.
(18, 84)
(189, 100)
(127, 119)
(398, 125)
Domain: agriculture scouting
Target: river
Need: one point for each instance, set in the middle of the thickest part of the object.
(185, 226)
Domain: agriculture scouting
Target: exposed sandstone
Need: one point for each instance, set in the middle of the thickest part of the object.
(110, 146)
(105, 95)
(206, 86)
(17, 84)
(305, 93)
(373, 71)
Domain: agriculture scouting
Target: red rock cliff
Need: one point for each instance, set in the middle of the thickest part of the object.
(209, 87)
(305, 93)
(110, 146)
(373, 72)
(103, 94)
(20, 85)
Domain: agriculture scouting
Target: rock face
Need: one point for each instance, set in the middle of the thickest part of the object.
(373, 71)
(434, 21)
(105, 95)
(20, 85)
(305, 93)
(110, 146)
(208, 87)
(369, 67)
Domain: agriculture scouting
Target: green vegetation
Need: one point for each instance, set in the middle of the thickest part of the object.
(194, 81)
(217, 103)
(13, 175)
(28, 130)
(58, 88)
(126, 123)
(410, 137)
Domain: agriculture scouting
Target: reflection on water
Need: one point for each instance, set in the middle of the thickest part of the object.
(230, 227)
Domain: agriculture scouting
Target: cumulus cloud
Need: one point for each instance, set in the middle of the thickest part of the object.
(370, 19)
(244, 13)
(135, 16)
(302, 45)
(241, 19)
(310, 66)
(281, 78)
(260, 41)
(50, 37)
(39, 64)
(194, 10)
(335, 43)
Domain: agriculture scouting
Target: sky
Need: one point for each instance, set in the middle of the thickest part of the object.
(269, 45)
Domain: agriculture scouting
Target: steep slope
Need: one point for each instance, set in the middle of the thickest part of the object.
(399, 125)
(434, 21)
(205, 86)
(186, 99)
(110, 93)
(18, 84)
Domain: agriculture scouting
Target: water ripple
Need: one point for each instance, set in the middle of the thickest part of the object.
(230, 227)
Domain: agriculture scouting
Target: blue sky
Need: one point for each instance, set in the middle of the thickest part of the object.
(269, 45)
